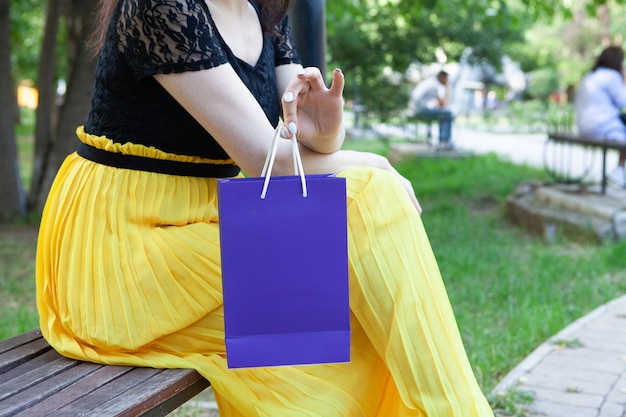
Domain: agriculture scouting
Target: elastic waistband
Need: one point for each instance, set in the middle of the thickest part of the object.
(161, 166)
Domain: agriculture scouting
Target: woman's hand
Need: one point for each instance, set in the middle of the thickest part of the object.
(314, 112)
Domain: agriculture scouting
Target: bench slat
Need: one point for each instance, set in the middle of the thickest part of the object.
(585, 140)
(36, 381)
(115, 390)
(146, 396)
(91, 380)
(22, 353)
(19, 340)
(176, 400)
(32, 373)
(33, 364)
(41, 388)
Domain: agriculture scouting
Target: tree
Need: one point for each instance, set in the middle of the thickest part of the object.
(46, 106)
(56, 138)
(371, 39)
(13, 201)
(568, 43)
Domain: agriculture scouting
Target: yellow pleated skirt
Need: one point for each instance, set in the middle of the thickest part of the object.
(128, 273)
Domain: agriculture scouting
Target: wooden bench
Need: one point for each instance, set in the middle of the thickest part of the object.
(556, 139)
(36, 381)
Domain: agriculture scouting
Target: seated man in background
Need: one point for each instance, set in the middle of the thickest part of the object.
(430, 98)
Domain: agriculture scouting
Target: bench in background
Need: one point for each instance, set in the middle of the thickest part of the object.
(36, 381)
(414, 121)
(556, 153)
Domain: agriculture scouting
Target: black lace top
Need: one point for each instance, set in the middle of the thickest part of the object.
(148, 37)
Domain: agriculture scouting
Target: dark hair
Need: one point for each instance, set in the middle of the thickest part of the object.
(611, 57)
(272, 12)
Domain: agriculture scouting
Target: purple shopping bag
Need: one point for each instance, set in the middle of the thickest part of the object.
(285, 270)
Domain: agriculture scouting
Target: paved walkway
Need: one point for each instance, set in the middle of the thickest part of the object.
(581, 371)
(530, 149)
(520, 148)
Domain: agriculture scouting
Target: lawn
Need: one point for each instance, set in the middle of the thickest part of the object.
(510, 291)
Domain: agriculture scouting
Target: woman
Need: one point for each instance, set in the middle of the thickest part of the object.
(600, 99)
(128, 268)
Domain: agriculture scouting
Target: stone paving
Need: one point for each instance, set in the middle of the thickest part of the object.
(581, 371)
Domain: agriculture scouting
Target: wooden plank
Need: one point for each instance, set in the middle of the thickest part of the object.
(33, 372)
(19, 340)
(23, 353)
(177, 385)
(179, 399)
(36, 381)
(114, 390)
(38, 387)
(36, 362)
(89, 382)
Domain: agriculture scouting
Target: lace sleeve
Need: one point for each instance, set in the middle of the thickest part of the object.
(164, 36)
(284, 46)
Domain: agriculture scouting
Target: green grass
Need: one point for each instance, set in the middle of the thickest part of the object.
(17, 280)
(510, 291)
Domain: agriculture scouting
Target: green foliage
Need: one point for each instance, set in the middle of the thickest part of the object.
(26, 22)
(374, 42)
(545, 9)
(371, 39)
(568, 39)
(543, 82)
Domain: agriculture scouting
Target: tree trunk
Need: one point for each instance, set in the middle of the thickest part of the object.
(73, 111)
(46, 106)
(308, 20)
(12, 197)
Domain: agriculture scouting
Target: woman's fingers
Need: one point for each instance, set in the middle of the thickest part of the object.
(336, 88)
(311, 77)
(308, 82)
(299, 85)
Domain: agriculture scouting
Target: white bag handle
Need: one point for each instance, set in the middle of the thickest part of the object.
(271, 155)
